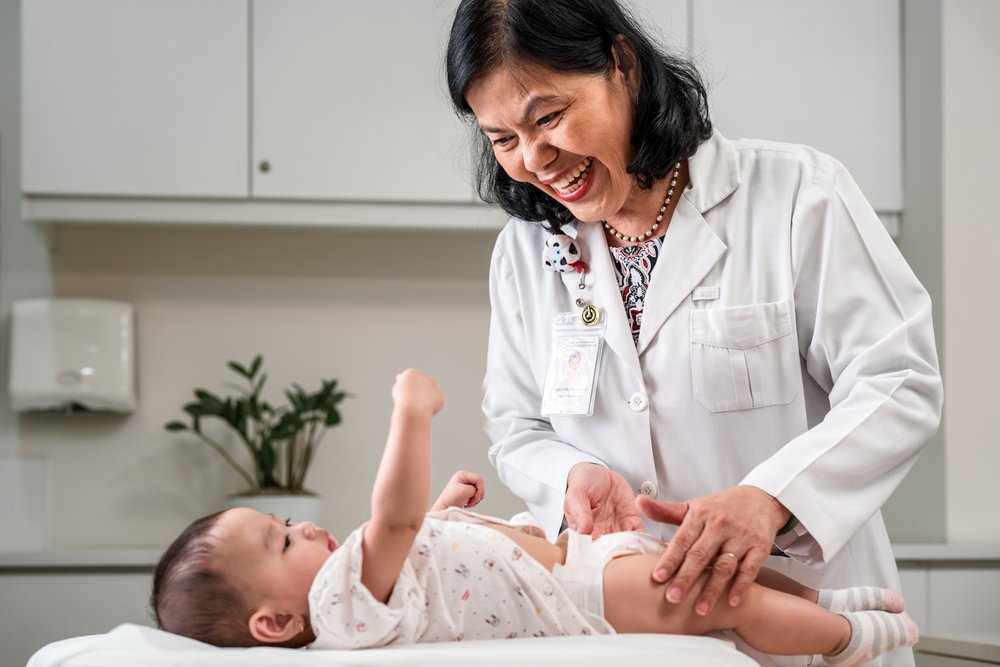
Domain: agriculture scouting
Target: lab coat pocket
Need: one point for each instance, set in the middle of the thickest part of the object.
(744, 357)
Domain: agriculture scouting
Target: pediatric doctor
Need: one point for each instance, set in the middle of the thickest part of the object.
(759, 357)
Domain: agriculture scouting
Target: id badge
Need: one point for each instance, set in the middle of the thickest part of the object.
(574, 360)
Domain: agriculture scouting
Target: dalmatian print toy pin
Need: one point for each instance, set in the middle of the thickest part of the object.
(562, 254)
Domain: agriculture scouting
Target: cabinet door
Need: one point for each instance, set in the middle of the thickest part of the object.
(349, 102)
(826, 74)
(135, 98)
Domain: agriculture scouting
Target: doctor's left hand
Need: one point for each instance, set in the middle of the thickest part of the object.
(729, 533)
(599, 501)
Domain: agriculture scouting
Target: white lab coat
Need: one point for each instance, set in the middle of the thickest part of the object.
(784, 344)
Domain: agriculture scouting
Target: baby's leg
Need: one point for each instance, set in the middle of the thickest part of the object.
(769, 620)
(779, 582)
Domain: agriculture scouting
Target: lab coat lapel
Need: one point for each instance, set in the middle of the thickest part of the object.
(601, 289)
(690, 250)
(690, 247)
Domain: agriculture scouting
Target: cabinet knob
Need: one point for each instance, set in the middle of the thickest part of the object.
(264, 166)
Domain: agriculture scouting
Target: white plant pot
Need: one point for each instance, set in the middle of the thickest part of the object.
(297, 508)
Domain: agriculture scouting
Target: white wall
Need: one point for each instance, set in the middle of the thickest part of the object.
(24, 271)
(24, 267)
(318, 304)
(971, 58)
(916, 511)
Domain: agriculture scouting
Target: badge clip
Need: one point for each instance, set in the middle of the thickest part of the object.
(590, 315)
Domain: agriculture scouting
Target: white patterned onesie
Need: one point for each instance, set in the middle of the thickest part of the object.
(461, 580)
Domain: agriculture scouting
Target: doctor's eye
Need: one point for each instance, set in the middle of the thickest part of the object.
(548, 118)
(288, 543)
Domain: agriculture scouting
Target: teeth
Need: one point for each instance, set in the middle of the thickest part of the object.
(574, 174)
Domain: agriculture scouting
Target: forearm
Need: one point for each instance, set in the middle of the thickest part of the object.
(402, 484)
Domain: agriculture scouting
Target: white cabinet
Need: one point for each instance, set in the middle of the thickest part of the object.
(827, 74)
(338, 101)
(135, 98)
(48, 596)
(182, 98)
(350, 102)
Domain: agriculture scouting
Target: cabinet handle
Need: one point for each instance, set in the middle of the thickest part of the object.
(264, 166)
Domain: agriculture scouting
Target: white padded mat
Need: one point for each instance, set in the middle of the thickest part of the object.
(131, 645)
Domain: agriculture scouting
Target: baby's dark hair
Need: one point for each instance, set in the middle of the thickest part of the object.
(193, 597)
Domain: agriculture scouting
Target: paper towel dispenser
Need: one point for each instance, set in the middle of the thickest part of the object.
(69, 353)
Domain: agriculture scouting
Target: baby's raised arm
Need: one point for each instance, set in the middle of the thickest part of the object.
(402, 484)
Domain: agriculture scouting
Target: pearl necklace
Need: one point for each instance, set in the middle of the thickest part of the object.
(659, 218)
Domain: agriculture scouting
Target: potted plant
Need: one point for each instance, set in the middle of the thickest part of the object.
(279, 440)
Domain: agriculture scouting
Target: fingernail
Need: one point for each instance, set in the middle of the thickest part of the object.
(661, 574)
(734, 601)
(674, 595)
(702, 608)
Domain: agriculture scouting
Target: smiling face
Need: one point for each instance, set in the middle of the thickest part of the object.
(274, 561)
(566, 134)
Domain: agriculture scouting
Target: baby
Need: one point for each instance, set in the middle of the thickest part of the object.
(242, 578)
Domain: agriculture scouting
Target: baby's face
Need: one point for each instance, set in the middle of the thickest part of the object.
(275, 559)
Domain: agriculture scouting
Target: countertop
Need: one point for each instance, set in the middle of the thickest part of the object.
(981, 646)
(147, 557)
(82, 559)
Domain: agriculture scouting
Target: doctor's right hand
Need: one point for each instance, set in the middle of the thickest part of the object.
(599, 501)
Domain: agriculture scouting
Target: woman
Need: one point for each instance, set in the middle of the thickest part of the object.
(762, 369)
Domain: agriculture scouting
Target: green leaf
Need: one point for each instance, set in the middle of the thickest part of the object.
(332, 417)
(295, 399)
(175, 426)
(239, 416)
(239, 368)
(255, 365)
(254, 408)
(196, 410)
(210, 403)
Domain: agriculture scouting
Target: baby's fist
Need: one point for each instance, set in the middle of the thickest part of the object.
(418, 391)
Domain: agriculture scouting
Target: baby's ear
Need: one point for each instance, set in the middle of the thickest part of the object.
(270, 627)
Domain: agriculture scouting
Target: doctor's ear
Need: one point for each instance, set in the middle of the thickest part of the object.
(626, 60)
(270, 627)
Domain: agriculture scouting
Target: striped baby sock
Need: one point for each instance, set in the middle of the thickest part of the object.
(860, 598)
(872, 634)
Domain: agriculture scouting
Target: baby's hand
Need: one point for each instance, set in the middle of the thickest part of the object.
(464, 489)
(418, 391)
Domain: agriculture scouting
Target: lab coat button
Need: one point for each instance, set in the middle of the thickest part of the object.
(648, 489)
(638, 402)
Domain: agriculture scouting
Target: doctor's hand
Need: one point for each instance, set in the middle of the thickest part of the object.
(464, 489)
(730, 533)
(599, 501)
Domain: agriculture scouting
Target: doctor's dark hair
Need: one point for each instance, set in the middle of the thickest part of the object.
(192, 595)
(576, 36)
